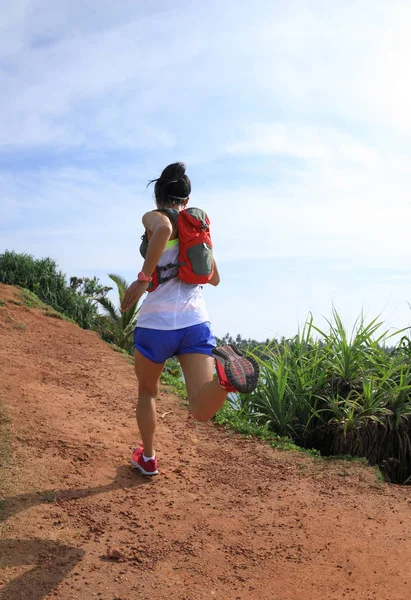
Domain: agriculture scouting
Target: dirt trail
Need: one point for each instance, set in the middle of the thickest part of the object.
(240, 521)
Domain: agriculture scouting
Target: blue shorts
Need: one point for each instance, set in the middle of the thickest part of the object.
(158, 345)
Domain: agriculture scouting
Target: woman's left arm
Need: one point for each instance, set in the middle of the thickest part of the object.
(160, 227)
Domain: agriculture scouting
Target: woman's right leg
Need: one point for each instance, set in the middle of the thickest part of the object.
(205, 395)
(148, 376)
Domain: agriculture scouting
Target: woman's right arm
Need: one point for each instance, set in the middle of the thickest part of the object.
(215, 279)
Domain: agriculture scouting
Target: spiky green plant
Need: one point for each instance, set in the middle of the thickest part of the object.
(274, 402)
(340, 393)
(117, 326)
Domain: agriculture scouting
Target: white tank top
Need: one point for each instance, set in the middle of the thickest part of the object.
(174, 304)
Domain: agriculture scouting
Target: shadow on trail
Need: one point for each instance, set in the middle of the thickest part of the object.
(126, 477)
(52, 561)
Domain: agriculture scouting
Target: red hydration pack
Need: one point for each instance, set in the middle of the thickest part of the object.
(195, 260)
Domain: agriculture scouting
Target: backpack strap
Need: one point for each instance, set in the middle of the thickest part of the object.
(144, 244)
(159, 270)
(171, 213)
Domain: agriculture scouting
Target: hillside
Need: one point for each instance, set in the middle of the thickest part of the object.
(240, 521)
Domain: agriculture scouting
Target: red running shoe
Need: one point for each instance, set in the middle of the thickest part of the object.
(148, 467)
(235, 371)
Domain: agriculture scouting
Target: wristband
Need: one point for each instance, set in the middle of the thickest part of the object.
(142, 277)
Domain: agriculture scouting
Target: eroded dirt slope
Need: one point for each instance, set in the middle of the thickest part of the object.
(236, 520)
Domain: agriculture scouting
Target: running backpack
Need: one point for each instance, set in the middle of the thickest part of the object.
(195, 260)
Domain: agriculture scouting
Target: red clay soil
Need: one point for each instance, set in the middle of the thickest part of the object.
(227, 517)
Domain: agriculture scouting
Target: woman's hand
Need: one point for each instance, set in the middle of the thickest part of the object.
(133, 294)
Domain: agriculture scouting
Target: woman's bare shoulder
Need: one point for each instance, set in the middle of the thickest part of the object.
(153, 219)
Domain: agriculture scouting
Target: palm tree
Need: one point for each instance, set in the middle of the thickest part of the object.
(117, 326)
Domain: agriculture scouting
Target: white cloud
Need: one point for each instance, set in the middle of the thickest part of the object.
(327, 212)
(95, 88)
(140, 75)
(304, 142)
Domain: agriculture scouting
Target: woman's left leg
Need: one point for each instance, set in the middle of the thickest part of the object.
(205, 395)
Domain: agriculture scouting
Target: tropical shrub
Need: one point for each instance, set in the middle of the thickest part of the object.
(339, 393)
(42, 277)
(115, 326)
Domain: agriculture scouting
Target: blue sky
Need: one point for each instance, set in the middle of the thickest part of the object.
(293, 119)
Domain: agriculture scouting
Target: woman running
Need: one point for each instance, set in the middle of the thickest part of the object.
(173, 321)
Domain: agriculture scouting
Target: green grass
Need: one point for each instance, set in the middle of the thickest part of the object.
(176, 383)
(118, 349)
(172, 376)
(31, 300)
(55, 315)
(229, 417)
(2, 303)
(347, 457)
(379, 476)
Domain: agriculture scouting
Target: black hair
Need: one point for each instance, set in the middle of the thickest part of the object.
(173, 186)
